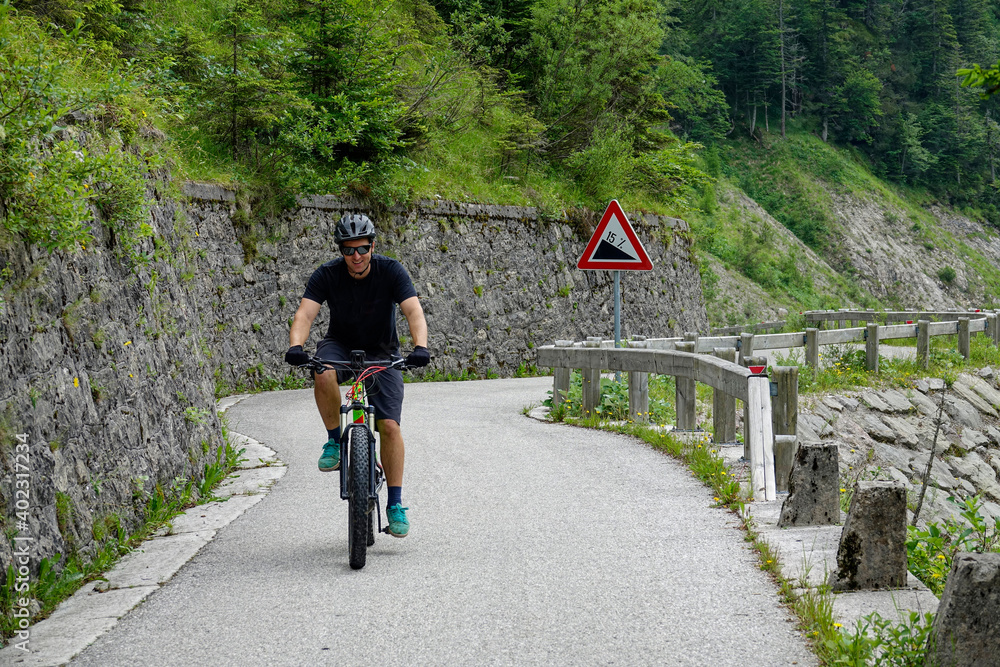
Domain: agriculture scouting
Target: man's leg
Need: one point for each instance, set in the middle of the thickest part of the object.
(392, 461)
(326, 391)
(392, 451)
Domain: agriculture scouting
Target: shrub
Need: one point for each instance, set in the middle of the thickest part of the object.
(947, 275)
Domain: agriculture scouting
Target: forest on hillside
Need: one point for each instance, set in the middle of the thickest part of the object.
(534, 101)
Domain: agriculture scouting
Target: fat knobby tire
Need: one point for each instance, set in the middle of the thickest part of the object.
(357, 486)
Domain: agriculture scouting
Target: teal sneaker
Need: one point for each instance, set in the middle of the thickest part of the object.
(399, 526)
(330, 459)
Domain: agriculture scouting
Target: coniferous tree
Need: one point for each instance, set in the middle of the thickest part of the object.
(247, 91)
(345, 70)
(591, 64)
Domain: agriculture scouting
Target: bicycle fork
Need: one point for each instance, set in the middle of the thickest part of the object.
(361, 417)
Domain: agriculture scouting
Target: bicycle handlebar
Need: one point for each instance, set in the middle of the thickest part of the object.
(320, 366)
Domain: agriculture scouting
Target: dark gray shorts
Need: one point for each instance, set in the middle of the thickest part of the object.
(385, 390)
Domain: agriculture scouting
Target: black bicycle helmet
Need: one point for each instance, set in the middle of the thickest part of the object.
(354, 226)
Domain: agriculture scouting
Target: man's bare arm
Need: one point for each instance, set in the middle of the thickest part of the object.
(414, 315)
(302, 323)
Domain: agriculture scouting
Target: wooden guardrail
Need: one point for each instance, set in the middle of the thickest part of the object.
(726, 377)
(871, 335)
(761, 327)
(770, 408)
(845, 315)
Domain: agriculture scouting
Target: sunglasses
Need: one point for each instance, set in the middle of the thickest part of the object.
(362, 249)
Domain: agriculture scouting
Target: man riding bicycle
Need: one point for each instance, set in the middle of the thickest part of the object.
(361, 290)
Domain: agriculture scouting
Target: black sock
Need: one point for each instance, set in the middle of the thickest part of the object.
(334, 434)
(395, 496)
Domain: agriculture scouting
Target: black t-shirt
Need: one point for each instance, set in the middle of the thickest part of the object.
(362, 312)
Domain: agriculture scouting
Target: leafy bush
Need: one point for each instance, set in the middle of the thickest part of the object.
(947, 275)
(931, 550)
(49, 181)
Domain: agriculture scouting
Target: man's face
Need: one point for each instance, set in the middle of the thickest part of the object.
(358, 263)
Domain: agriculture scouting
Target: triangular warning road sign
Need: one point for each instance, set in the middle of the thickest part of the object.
(614, 246)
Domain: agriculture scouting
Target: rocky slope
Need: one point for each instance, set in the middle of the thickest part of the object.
(888, 434)
(886, 247)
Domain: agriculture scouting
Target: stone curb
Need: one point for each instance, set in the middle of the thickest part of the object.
(97, 607)
(808, 555)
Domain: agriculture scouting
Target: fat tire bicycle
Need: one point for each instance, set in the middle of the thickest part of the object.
(361, 473)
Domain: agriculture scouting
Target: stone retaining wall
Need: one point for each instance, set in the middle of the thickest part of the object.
(112, 369)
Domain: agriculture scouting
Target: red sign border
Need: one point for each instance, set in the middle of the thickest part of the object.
(644, 263)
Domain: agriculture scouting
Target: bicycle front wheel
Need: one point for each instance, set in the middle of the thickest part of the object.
(358, 480)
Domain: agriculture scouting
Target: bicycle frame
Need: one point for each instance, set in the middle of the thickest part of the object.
(356, 413)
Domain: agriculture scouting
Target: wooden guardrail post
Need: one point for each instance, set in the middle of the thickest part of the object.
(785, 447)
(560, 379)
(785, 404)
(871, 348)
(752, 361)
(784, 420)
(991, 325)
(723, 404)
(964, 340)
(759, 437)
(591, 382)
(638, 387)
(996, 328)
(812, 348)
(924, 343)
(746, 348)
(687, 416)
(745, 352)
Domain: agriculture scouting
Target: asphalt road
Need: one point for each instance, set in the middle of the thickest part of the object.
(531, 543)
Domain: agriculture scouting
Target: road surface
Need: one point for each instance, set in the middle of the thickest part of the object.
(531, 544)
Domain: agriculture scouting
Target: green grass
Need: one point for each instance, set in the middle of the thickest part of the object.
(843, 368)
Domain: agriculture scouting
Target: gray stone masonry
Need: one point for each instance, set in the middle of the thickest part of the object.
(814, 496)
(965, 632)
(878, 437)
(872, 551)
(111, 366)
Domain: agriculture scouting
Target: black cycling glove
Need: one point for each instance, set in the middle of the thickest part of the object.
(296, 356)
(419, 358)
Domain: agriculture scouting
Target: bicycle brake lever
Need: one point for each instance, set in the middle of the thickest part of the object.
(315, 367)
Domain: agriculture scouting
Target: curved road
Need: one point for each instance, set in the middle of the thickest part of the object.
(531, 543)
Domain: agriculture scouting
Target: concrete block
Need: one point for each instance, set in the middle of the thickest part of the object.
(965, 632)
(872, 552)
(813, 485)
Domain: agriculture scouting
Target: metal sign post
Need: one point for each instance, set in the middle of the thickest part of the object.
(618, 309)
(618, 317)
